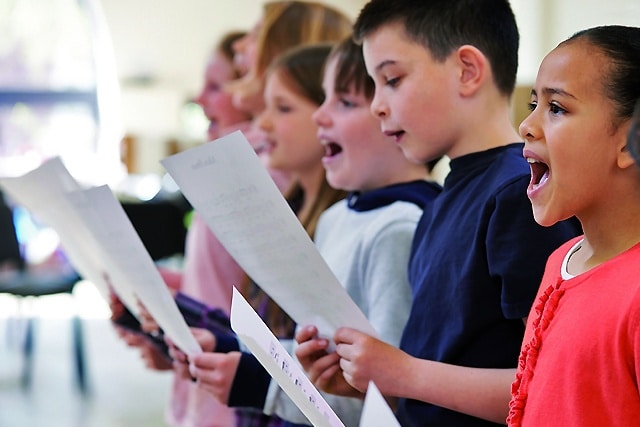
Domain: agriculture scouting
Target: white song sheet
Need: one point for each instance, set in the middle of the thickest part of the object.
(128, 262)
(101, 243)
(42, 191)
(227, 184)
(278, 362)
(376, 412)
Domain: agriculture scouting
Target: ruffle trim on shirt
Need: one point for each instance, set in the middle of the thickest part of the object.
(545, 310)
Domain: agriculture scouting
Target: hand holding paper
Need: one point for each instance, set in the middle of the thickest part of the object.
(281, 366)
(129, 264)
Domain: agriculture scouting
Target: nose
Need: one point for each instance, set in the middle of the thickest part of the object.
(320, 117)
(200, 98)
(379, 107)
(527, 129)
(263, 122)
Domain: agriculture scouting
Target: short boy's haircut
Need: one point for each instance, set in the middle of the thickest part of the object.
(350, 69)
(442, 26)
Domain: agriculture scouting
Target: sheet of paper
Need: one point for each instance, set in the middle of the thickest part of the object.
(274, 357)
(100, 242)
(128, 262)
(41, 192)
(229, 187)
(376, 412)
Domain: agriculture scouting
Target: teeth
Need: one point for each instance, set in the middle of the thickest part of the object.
(530, 160)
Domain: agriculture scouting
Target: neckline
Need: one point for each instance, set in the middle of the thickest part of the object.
(564, 269)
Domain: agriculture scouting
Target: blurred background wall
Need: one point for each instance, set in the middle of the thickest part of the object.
(161, 45)
(152, 54)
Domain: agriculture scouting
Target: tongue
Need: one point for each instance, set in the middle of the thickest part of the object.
(544, 177)
(539, 173)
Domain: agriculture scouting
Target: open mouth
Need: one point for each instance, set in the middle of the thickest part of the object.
(539, 173)
(332, 149)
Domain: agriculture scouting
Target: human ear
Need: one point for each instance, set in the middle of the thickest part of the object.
(473, 69)
(625, 158)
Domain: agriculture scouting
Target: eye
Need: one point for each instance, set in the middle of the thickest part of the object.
(344, 102)
(555, 109)
(532, 105)
(392, 82)
(283, 108)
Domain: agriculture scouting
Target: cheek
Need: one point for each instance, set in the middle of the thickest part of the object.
(217, 104)
(207, 100)
(303, 149)
(280, 130)
(224, 105)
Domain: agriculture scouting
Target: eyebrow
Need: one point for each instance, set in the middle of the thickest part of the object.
(553, 91)
(383, 64)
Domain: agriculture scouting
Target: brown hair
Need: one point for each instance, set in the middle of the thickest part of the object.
(301, 70)
(225, 47)
(350, 69)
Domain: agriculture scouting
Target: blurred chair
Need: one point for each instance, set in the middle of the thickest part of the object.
(160, 224)
(19, 279)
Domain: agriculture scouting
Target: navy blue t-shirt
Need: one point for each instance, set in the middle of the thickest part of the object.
(477, 261)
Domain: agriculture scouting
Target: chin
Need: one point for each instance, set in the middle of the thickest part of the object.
(543, 219)
(337, 181)
(411, 155)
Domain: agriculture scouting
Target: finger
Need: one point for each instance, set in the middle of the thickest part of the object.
(312, 349)
(345, 365)
(323, 364)
(178, 355)
(344, 351)
(182, 370)
(346, 335)
(325, 378)
(209, 361)
(148, 324)
(306, 333)
(132, 340)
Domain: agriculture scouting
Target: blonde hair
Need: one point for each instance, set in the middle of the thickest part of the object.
(288, 24)
(285, 25)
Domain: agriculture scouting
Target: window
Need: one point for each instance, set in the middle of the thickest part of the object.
(59, 94)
